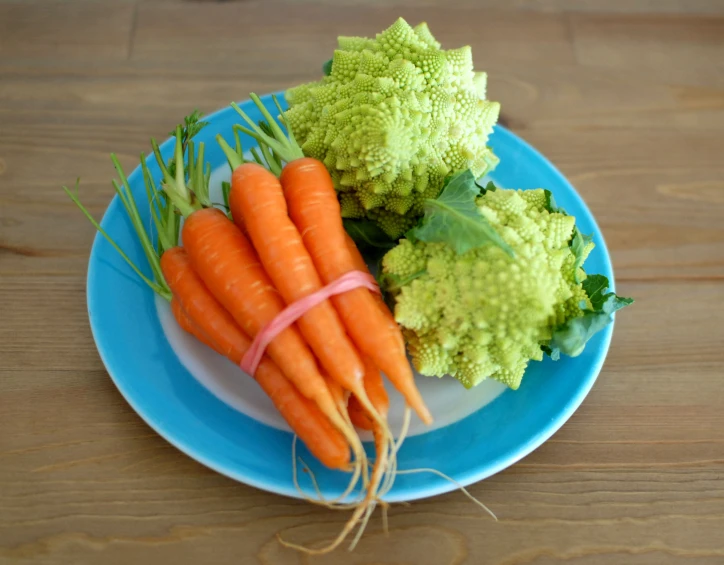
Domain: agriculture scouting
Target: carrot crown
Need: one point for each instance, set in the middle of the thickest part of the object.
(162, 203)
(235, 155)
(185, 183)
(163, 218)
(276, 145)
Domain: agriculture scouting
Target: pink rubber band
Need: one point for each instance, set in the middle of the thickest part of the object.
(290, 314)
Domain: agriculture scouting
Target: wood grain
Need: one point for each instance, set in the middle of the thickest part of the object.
(627, 98)
(65, 30)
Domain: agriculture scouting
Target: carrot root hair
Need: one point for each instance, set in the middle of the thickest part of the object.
(334, 503)
(453, 481)
(381, 483)
(383, 473)
(361, 513)
(359, 464)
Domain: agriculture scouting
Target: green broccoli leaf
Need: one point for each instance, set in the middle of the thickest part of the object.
(578, 242)
(327, 68)
(391, 283)
(551, 205)
(367, 234)
(453, 218)
(595, 287)
(571, 338)
(578, 246)
(490, 187)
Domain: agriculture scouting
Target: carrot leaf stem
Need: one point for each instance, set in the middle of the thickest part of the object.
(279, 143)
(272, 163)
(235, 160)
(225, 190)
(159, 204)
(290, 133)
(146, 244)
(197, 180)
(179, 161)
(182, 205)
(207, 179)
(270, 135)
(160, 288)
(135, 217)
(154, 209)
(199, 184)
(174, 186)
(237, 140)
(257, 157)
(173, 220)
(191, 161)
(159, 158)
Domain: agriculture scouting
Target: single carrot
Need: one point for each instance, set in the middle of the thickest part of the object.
(256, 199)
(360, 264)
(185, 323)
(314, 209)
(375, 388)
(357, 414)
(383, 471)
(200, 314)
(339, 395)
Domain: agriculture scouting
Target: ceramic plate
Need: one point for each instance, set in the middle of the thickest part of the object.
(210, 410)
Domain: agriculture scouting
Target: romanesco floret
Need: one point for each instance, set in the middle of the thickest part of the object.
(484, 313)
(394, 117)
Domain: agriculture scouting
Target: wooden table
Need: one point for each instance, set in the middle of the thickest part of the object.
(625, 96)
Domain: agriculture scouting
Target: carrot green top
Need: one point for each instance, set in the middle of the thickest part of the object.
(176, 193)
(276, 146)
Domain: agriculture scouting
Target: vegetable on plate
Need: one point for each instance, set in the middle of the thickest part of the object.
(491, 279)
(394, 116)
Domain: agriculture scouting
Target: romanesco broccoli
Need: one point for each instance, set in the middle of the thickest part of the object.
(487, 312)
(395, 115)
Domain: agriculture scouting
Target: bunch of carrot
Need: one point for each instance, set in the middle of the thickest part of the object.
(282, 241)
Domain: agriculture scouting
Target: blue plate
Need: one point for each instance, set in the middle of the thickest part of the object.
(140, 356)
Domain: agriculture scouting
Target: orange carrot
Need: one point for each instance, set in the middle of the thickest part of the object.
(357, 414)
(360, 264)
(257, 200)
(338, 393)
(185, 323)
(375, 388)
(314, 209)
(201, 315)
